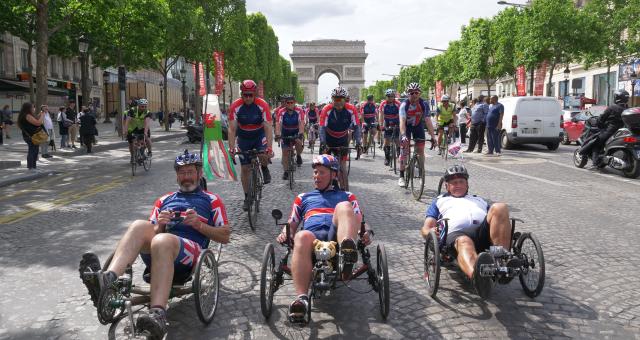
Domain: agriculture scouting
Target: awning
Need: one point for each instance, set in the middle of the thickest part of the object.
(14, 85)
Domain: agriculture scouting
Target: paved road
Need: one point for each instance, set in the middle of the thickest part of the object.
(586, 221)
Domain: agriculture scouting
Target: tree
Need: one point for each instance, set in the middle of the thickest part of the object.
(479, 60)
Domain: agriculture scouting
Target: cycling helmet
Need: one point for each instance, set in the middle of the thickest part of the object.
(339, 92)
(445, 98)
(187, 158)
(621, 97)
(390, 93)
(248, 86)
(413, 87)
(370, 97)
(326, 160)
(287, 96)
(456, 171)
(143, 101)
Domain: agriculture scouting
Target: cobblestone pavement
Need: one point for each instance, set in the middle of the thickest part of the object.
(586, 222)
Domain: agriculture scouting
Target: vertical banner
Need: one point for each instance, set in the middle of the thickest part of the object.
(538, 87)
(261, 89)
(438, 90)
(203, 87)
(218, 60)
(521, 81)
(217, 162)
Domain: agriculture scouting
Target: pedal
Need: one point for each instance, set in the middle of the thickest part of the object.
(488, 270)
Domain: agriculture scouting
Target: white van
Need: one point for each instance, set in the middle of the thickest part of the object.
(531, 120)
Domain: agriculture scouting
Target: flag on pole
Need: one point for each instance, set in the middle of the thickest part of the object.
(217, 162)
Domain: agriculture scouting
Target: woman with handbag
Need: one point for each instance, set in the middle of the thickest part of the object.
(32, 132)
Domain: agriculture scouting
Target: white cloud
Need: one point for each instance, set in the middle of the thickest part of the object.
(395, 31)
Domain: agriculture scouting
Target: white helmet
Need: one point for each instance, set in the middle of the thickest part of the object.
(339, 92)
(445, 98)
(143, 101)
(413, 87)
(390, 92)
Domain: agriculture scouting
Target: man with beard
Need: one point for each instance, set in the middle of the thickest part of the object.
(180, 226)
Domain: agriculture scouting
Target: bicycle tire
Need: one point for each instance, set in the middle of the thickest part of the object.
(417, 188)
(146, 163)
(252, 201)
(260, 182)
(394, 156)
(440, 184)
(291, 169)
(348, 163)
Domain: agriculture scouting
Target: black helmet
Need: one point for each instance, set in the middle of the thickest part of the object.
(621, 97)
(456, 171)
(370, 97)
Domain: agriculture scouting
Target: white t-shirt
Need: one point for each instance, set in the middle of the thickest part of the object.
(465, 212)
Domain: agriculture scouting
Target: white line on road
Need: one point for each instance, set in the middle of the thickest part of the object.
(610, 176)
(520, 175)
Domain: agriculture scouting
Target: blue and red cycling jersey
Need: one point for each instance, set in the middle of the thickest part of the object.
(369, 112)
(209, 207)
(390, 111)
(335, 125)
(289, 121)
(250, 118)
(312, 116)
(315, 210)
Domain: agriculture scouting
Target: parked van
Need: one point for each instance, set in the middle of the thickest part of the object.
(531, 120)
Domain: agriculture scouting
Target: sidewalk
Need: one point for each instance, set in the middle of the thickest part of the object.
(14, 152)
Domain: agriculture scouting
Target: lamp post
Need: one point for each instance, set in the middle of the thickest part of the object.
(161, 97)
(83, 47)
(434, 49)
(183, 78)
(503, 92)
(566, 73)
(633, 76)
(395, 79)
(459, 90)
(514, 4)
(105, 80)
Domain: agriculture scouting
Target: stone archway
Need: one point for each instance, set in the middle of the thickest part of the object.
(343, 58)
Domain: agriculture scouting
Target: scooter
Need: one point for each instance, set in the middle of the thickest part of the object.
(194, 133)
(621, 151)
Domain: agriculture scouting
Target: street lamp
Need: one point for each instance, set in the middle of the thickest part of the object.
(566, 73)
(633, 76)
(503, 92)
(83, 47)
(395, 79)
(435, 49)
(459, 90)
(105, 80)
(514, 4)
(183, 78)
(161, 97)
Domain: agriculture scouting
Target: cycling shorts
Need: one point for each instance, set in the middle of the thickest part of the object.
(415, 133)
(370, 124)
(441, 125)
(130, 134)
(479, 235)
(323, 232)
(183, 264)
(287, 144)
(391, 133)
(341, 154)
(259, 143)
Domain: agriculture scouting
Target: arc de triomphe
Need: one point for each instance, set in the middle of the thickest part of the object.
(343, 58)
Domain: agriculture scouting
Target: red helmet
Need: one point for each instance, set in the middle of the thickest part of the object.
(248, 86)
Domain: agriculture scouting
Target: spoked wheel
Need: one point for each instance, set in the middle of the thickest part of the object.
(532, 274)
(110, 305)
(417, 178)
(291, 170)
(146, 159)
(134, 165)
(372, 145)
(579, 160)
(382, 273)
(394, 157)
(267, 279)
(123, 329)
(348, 162)
(252, 212)
(432, 263)
(260, 182)
(440, 185)
(408, 174)
(206, 286)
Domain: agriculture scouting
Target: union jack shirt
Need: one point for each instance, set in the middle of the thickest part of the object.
(315, 208)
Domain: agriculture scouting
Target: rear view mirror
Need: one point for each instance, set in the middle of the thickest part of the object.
(276, 214)
(574, 120)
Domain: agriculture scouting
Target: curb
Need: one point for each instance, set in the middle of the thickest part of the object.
(26, 177)
(9, 164)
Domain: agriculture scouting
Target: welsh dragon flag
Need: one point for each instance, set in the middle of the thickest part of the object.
(217, 161)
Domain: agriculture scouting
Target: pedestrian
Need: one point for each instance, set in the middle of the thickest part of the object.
(6, 121)
(478, 114)
(463, 116)
(63, 127)
(494, 126)
(72, 115)
(87, 129)
(48, 128)
(31, 125)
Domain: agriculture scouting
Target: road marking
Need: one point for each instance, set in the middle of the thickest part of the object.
(24, 191)
(520, 175)
(610, 176)
(67, 197)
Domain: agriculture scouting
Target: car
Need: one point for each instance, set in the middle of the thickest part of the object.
(531, 120)
(572, 125)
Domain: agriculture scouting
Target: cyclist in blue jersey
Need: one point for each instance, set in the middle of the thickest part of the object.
(327, 214)
(368, 115)
(290, 124)
(389, 116)
(173, 248)
(474, 226)
(311, 117)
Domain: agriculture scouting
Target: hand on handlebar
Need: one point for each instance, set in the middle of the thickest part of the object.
(282, 237)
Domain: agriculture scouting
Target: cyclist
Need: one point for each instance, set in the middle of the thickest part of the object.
(389, 110)
(250, 120)
(446, 115)
(137, 122)
(474, 225)
(311, 121)
(326, 213)
(290, 124)
(168, 252)
(368, 113)
(335, 121)
(414, 114)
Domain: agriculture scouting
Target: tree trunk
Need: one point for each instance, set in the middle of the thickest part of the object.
(165, 102)
(42, 47)
(488, 88)
(553, 66)
(531, 81)
(32, 92)
(230, 90)
(608, 81)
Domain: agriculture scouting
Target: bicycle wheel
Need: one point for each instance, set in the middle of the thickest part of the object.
(267, 278)
(533, 271)
(432, 263)
(373, 147)
(252, 211)
(348, 162)
(291, 170)
(260, 183)
(206, 286)
(417, 177)
(134, 164)
(146, 163)
(394, 157)
(440, 185)
(382, 272)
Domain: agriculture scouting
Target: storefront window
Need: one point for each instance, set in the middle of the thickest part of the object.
(577, 86)
(24, 62)
(600, 87)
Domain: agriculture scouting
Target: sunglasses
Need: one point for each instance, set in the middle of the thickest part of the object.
(247, 95)
(414, 92)
(338, 99)
(290, 102)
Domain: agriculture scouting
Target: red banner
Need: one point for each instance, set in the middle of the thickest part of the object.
(438, 90)
(261, 89)
(202, 90)
(538, 87)
(218, 60)
(521, 81)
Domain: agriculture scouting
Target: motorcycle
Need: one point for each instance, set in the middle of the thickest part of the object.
(194, 133)
(621, 151)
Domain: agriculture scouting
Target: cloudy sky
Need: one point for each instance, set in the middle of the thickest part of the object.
(395, 31)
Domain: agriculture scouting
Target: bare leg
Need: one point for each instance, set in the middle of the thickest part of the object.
(346, 221)
(467, 256)
(164, 250)
(137, 239)
(285, 159)
(420, 151)
(499, 226)
(342, 178)
(301, 261)
(299, 147)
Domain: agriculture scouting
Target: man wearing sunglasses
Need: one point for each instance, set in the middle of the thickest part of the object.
(335, 121)
(311, 121)
(368, 113)
(290, 123)
(414, 114)
(446, 115)
(389, 115)
(250, 121)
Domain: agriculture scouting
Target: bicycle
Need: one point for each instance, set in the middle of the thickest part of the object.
(337, 152)
(443, 146)
(291, 163)
(140, 154)
(312, 134)
(369, 142)
(414, 172)
(458, 154)
(394, 148)
(256, 183)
